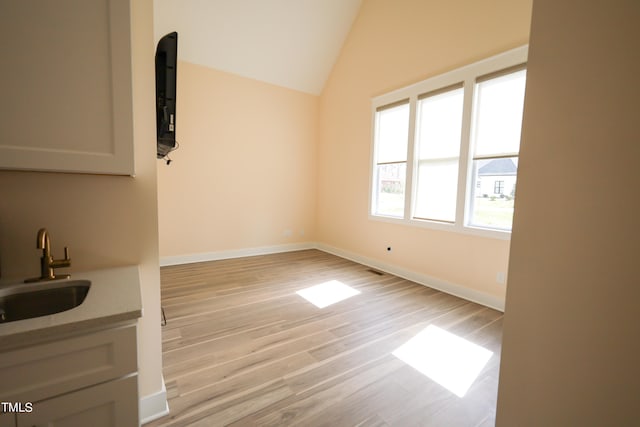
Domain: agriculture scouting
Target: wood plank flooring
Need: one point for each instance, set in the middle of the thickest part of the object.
(241, 348)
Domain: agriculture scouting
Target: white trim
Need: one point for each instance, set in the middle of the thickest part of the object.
(412, 166)
(234, 253)
(443, 226)
(154, 406)
(422, 279)
(485, 66)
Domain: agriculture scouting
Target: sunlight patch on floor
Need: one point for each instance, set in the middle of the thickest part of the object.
(325, 294)
(447, 359)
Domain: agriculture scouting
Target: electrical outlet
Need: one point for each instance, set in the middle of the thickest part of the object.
(287, 233)
(500, 278)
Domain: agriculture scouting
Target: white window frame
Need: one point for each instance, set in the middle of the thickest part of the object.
(466, 75)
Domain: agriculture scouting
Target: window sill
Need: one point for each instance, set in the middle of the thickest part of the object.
(441, 226)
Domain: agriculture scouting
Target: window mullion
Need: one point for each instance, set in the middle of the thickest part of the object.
(411, 155)
(373, 176)
(465, 152)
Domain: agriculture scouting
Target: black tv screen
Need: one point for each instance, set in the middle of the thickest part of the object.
(166, 73)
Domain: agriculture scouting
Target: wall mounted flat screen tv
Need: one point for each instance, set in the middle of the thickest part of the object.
(166, 73)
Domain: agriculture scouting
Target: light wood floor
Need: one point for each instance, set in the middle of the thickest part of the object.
(241, 348)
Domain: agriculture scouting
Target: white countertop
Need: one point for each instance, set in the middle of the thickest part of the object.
(114, 297)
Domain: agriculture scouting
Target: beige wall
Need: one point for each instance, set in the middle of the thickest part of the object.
(104, 220)
(391, 45)
(245, 170)
(572, 334)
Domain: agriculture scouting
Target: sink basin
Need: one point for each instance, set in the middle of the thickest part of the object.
(29, 300)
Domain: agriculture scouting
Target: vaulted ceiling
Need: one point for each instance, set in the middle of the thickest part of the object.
(290, 43)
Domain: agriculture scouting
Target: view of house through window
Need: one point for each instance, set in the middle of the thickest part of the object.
(445, 151)
(496, 143)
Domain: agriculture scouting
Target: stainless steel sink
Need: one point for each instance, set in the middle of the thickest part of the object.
(29, 300)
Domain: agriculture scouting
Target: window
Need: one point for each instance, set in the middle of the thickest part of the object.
(439, 124)
(445, 150)
(499, 99)
(391, 139)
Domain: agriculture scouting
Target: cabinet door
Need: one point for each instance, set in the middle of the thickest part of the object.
(7, 420)
(41, 371)
(66, 101)
(112, 404)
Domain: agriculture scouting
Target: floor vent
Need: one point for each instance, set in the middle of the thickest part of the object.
(379, 273)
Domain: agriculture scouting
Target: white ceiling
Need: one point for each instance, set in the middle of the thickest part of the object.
(290, 43)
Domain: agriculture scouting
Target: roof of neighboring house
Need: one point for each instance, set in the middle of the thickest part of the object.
(499, 167)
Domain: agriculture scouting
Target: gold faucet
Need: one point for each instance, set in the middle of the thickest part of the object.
(47, 263)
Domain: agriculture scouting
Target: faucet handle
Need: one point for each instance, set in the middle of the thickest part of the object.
(66, 254)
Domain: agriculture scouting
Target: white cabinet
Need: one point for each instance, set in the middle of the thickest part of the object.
(110, 404)
(66, 100)
(7, 420)
(87, 379)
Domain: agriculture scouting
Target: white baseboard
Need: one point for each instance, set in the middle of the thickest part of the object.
(432, 282)
(154, 405)
(236, 253)
(422, 279)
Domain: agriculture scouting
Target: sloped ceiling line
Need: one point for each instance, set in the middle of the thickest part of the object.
(289, 43)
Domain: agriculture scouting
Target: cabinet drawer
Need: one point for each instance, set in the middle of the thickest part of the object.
(112, 404)
(7, 420)
(42, 371)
